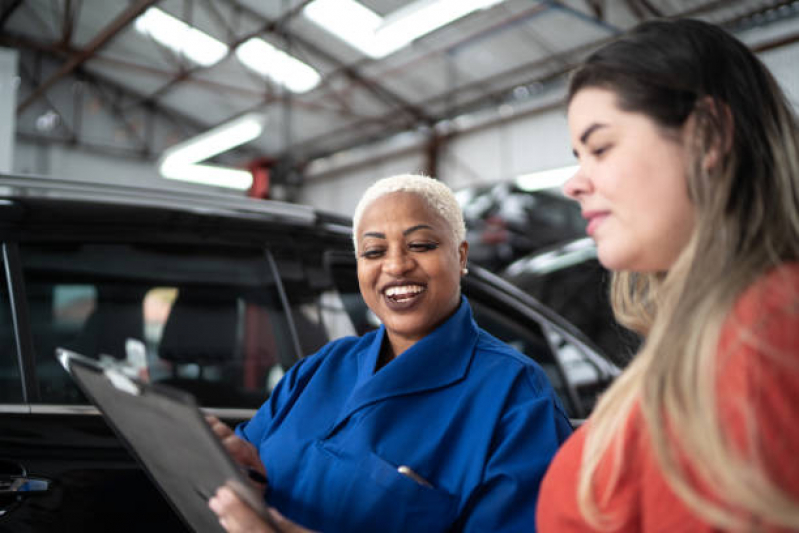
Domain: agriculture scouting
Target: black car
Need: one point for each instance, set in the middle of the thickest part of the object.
(569, 279)
(505, 221)
(214, 295)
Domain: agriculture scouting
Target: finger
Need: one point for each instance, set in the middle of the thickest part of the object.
(219, 428)
(235, 515)
(243, 452)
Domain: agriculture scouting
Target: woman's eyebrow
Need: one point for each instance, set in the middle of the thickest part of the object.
(417, 227)
(591, 129)
(379, 235)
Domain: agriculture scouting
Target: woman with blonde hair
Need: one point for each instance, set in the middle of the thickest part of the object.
(689, 180)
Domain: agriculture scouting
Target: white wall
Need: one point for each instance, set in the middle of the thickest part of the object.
(61, 161)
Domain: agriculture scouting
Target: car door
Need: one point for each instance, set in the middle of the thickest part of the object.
(208, 319)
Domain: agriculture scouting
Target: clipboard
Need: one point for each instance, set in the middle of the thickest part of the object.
(167, 433)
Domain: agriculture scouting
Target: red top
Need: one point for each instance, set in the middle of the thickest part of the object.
(761, 369)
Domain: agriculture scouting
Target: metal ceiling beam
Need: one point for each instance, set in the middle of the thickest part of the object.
(493, 96)
(386, 96)
(189, 124)
(5, 15)
(108, 33)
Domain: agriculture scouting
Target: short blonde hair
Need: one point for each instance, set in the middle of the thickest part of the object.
(436, 195)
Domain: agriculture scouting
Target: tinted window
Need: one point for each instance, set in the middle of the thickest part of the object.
(319, 303)
(208, 320)
(10, 383)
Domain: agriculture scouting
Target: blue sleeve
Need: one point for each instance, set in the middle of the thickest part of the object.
(532, 428)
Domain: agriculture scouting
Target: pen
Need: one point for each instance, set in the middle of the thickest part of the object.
(407, 471)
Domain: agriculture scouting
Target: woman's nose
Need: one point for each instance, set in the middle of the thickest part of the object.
(577, 185)
(398, 262)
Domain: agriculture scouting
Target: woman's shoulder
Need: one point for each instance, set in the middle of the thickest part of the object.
(763, 326)
(776, 291)
(499, 360)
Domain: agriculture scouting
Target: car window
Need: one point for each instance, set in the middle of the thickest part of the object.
(319, 304)
(10, 382)
(208, 320)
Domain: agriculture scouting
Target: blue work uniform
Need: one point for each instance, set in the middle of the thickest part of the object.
(475, 421)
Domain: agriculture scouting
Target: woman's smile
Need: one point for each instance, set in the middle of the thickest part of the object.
(401, 295)
(409, 267)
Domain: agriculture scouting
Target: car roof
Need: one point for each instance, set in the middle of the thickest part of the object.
(95, 197)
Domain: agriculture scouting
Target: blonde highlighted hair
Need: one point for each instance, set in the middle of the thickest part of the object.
(747, 223)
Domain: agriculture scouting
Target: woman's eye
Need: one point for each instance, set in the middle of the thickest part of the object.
(599, 151)
(371, 254)
(423, 246)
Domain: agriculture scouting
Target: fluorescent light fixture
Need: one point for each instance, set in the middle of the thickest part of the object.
(186, 40)
(546, 179)
(180, 161)
(263, 58)
(377, 36)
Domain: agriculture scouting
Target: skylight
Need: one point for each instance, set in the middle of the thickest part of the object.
(263, 58)
(378, 36)
(186, 40)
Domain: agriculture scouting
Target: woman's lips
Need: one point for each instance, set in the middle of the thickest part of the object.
(403, 300)
(594, 221)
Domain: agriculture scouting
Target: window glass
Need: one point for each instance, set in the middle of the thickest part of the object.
(10, 379)
(207, 320)
(321, 304)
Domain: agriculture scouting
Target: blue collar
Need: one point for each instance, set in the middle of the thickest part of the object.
(441, 358)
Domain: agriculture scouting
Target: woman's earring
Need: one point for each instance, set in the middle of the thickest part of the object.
(464, 271)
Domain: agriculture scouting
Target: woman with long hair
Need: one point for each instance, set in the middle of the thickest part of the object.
(689, 180)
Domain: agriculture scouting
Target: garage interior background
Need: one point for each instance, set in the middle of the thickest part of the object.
(341, 91)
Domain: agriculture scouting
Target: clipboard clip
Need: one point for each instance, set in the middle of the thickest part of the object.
(121, 381)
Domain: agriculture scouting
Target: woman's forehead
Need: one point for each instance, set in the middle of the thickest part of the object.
(402, 210)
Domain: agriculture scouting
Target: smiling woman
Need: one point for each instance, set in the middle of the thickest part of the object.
(409, 267)
(427, 424)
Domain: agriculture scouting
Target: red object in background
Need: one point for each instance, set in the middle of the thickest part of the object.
(260, 169)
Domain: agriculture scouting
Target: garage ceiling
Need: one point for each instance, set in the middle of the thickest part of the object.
(90, 79)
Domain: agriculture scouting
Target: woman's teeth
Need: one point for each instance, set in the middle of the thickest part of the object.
(403, 292)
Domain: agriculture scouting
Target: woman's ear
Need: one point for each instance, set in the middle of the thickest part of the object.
(463, 253)
(719, 129)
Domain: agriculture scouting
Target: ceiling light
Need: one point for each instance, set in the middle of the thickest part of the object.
(277, 65)
(377, 36)
(546, 179)
(180, 161)
(183, 39)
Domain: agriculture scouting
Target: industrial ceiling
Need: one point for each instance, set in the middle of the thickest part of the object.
(90, 79)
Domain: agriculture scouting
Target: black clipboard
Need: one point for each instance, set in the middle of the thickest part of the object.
(167, 433)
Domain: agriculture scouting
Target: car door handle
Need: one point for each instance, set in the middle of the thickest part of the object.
(23, 485)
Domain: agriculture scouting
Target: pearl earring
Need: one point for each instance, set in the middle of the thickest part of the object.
(464, 271)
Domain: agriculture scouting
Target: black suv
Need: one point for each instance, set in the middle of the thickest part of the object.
(214, 295)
